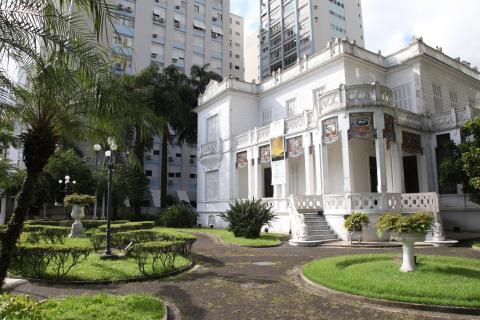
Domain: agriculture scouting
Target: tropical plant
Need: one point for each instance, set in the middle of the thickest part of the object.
(19, 307)
(179, 216)
(356, 221)
(247, 217)
(78, 199)
(463, 164)
(398, 224)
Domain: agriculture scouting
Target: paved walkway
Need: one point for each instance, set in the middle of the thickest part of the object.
(247, 283)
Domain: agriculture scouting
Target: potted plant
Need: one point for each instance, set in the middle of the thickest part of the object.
(354, 224)
(408, 229)
(78, 203)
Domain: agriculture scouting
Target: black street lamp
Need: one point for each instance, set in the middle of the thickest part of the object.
(66, 189)
(110, 157)
(97, 149)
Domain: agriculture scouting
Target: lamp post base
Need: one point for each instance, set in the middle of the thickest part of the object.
(109, 256)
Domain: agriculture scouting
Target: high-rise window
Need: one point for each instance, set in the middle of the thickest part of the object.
(437, 98)
(212, 185)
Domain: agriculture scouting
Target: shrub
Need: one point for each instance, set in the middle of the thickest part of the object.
(247, 217)
(3, 229)
(33, 260)
(179, 216)
(397, 223)
(19, 307)
(128, 226)
(78, 199)
(356, 221)
(48, 234)
(87, 224)
(164, 252)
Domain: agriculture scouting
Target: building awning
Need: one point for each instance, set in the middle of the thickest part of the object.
(179, 18)
(217, 30)
(199, 24)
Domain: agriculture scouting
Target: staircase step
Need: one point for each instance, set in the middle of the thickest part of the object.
(320, 232)
(318, 228)
(322, 237)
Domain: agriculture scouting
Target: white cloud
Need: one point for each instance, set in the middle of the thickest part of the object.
(390, 24)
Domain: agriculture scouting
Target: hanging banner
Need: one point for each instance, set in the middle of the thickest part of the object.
(295, 147)
(389, 129)
(330, 130)
(279, 172)
(265, 156)
(361, 125)
(412, 143)
(278, 149)
(242, 160)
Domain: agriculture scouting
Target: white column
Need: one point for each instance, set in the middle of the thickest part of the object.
(397, 159)
(251, 177)
(95, 206)
(318, 168)
(257, 174)
(276, 191)
(380, 153)
(427, 164)
(309, 170)
(344, 126)
(3, 210)
(286, 185)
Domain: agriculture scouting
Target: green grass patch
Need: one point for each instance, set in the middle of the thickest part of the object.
(476, 244)
(104, 307)
(447, 281)
(265, 240)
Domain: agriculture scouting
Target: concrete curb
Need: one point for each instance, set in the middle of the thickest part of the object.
(449, 311)
(12, 283)
(217, 239)
(171, 312)
(104, 282)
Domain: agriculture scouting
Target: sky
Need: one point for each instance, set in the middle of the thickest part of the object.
(389, 25)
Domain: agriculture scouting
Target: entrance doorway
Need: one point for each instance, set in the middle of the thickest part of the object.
(267, 183)
(410, 173)
(373, 174)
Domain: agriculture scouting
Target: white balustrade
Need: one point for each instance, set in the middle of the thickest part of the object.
(295, 123)
(209, 148)
(416, 202)
(443, 121)
(263, 134)
(308, 203)
(242, 140)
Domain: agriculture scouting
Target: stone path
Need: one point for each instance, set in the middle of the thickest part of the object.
(247, 283)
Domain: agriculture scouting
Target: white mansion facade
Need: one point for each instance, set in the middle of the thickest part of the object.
(343, 130)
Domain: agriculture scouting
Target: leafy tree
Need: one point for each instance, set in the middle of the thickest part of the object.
(463, 166)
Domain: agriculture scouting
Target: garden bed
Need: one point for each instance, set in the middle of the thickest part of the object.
(442, 281)
(265, 240)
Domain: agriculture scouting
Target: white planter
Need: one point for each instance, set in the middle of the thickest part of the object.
(355, 236)
(78, 212)
(408, 241)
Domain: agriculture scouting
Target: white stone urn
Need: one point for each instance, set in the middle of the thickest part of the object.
(408, 241)
(78, 212)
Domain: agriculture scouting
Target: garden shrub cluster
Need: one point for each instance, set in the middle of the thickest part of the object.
(87, 224)
(356, 221)
(33, 260)
(19, 307)
(163, 253)
(128, 226)
(179, 216)
(3, 229)
(47, 234)
(397, 223)
(247, 217)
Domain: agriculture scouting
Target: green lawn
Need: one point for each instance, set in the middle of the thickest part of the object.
(476, 244)
(266, 240)
(104, 307)
(438, 280)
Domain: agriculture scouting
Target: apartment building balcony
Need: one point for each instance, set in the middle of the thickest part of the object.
(124, 30)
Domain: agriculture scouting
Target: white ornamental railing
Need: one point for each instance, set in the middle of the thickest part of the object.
(307, 203)
(415, 202)
(295, 123)
(209, 148)
(277, 205)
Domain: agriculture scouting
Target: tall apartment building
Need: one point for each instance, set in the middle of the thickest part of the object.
(291, 29)
(181, 33)
(236, 55)
(252, 56)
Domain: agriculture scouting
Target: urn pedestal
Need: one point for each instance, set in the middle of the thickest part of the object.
(408, 241)
(78, 212)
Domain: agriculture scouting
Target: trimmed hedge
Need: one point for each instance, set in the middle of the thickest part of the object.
(128, 226)
(33, 260)
(179, 216)
(47, 234)
(87, 224)
(19, 307)
(164, 252)
(122, 239)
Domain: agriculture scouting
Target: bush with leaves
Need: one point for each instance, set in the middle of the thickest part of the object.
(33, 260)
(164, 252)
(356, 221)
(87, 224)
(19, 307)
(47, 234)
(179, 215)
(247, 217)
(398, 224)
(121, 227)
(78, 200)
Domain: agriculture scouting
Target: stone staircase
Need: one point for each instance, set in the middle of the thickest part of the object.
(318, 231)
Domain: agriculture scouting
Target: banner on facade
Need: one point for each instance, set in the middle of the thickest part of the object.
(389, 129)
(265, 156)
(278, 149)
(411, 142)
(361, 125)
(330, 130)
(279, 172)
(295, 147)
(242, 160)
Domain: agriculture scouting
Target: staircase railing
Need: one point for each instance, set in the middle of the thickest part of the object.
(299, 205)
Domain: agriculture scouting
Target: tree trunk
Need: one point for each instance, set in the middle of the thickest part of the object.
(140, 154)
(164, 169)
(15, 225)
